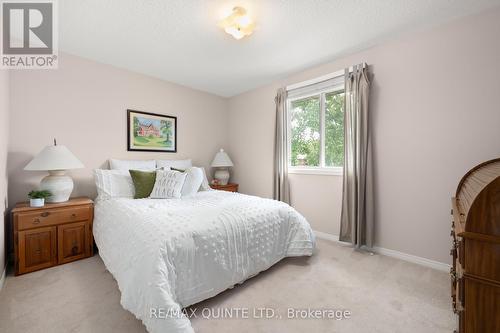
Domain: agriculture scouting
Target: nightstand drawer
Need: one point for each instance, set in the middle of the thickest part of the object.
(231, 187)
(49, 217)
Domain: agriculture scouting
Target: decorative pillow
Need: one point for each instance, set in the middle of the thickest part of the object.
(113, 184)
(205, 186)
(144, 182)
(177, 164)
(191, 185)
(168, 184)
(194, 178)
(132, 164)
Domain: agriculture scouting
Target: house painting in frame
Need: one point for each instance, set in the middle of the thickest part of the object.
(151, 132)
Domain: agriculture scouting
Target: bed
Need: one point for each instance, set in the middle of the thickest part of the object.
(167, 254)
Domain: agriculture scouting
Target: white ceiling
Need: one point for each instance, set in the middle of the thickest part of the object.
(179, 40)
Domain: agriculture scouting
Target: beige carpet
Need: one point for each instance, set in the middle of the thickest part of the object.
(382, 294)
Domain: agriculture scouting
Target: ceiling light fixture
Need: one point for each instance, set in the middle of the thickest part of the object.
(238, 24)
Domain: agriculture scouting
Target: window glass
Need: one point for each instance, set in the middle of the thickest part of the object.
(305, 131)
(334, 129)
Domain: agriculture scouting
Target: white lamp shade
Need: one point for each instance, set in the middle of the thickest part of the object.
(222, 160)
(54, 157)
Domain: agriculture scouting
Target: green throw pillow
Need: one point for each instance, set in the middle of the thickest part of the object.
(144, 181)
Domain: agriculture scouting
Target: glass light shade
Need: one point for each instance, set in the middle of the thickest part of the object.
(222, 160)
(54, 157)
(237, 34)
(238, 24)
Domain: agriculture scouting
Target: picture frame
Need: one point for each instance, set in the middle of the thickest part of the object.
(151, 132)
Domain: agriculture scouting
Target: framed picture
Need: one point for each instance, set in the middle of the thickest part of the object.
(151, 132)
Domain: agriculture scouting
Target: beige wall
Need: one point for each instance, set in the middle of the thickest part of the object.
(319, 198)
(4, 130)
(435, 114)
(83, 104)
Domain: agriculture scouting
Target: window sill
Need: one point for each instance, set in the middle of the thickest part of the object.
(316, 171)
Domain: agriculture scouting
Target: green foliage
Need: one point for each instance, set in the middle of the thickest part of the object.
(305, 133)
(166, 130)
(139, 139)
(334, 129)
(136, 125)
(44, 194)
(150, 142)
(305, 130)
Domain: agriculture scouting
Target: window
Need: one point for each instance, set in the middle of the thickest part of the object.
(316, 130)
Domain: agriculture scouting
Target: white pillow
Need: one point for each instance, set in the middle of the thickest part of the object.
(168, 184)
(113, 184)
(132, 164)
(205, 186)
(178, 164)
(194, 178)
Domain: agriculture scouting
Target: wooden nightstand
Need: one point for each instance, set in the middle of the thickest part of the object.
(52, 235)
(230, 187)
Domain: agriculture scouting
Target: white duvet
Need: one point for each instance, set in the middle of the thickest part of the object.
(167, 254)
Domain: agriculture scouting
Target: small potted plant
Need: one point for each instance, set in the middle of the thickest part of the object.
(37, 198)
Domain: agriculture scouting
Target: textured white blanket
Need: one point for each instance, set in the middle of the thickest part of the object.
(167, 254)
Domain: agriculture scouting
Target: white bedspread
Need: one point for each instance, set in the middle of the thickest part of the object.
(170, 253)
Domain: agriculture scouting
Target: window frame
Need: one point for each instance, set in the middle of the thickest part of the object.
(321, 169)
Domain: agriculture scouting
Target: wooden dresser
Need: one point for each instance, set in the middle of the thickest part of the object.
(475, 275)
(52, 235)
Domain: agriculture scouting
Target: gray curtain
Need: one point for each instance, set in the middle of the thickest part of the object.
(357, 217)
(281, 190)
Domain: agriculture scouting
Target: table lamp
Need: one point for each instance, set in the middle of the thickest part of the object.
(56, 160)
(222, 162)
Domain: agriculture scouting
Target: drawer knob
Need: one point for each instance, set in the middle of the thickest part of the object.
(45, 214)
(36, 221)
(73, 215)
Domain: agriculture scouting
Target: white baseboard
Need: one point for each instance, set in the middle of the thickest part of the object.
(326, 236)
(414, 259)
(2, 278)
(394, 254)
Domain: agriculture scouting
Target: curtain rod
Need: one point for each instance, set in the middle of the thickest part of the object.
(321, 78)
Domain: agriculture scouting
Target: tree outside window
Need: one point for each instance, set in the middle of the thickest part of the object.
(309, 118)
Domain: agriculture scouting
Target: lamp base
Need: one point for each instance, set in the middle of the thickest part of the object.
(222, 175)
(58, 184)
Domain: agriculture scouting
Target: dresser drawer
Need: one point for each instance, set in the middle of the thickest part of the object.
(48, 217)
(482, 258)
